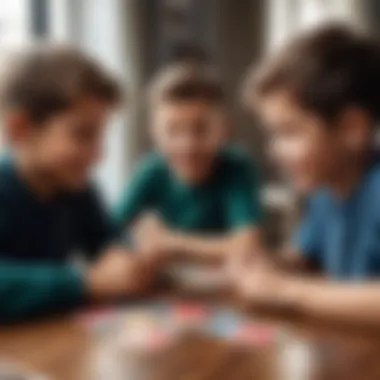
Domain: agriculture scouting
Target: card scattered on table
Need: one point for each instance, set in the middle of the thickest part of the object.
(157, 324)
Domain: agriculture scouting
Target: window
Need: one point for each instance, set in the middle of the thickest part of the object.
(14, 28)
(287, 17)
(15, 24)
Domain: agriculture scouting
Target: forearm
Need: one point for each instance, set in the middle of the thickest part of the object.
(215, 248)
(292, 261)
(352, 303)
(199, 247)
(29, 290)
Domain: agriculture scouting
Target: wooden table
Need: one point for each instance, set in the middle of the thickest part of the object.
(58, 348)
(64, 350)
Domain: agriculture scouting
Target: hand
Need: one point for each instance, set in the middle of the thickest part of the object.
(152, 238)
(117, 273)
(240, 260)
(261, 285)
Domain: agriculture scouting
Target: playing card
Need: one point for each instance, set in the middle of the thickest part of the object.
(144, 331)
(188, 313)
(154, 325)
(98, 320)
(254, 334)
(224, 323)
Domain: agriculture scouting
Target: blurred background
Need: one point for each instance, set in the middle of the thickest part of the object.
(135, 38)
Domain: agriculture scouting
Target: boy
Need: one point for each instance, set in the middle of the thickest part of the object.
(55, 103)
(202, 193)
(319, 99)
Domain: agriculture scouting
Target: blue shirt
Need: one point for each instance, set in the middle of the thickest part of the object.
(342, 236)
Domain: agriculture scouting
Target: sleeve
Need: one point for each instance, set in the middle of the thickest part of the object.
(242, 202)
(307, 237)
(30, 290)
(136, 197)
(94, 223)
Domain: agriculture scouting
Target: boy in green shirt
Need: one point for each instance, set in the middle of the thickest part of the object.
(195, 196)
(55, 103)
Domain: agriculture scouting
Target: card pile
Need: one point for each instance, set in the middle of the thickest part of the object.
(155, 325)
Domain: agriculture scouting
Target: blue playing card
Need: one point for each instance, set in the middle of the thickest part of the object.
(224, 323)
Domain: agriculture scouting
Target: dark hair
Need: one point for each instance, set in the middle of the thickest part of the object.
(48, 79)
(325, 70)
(181, 82)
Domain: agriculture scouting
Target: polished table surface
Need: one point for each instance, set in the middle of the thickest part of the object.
(63, 349)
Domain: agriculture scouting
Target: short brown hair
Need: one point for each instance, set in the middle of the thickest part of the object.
(325, 70)
(47, 79)
(181, 82)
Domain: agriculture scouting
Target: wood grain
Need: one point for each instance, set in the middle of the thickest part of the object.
(65, 350)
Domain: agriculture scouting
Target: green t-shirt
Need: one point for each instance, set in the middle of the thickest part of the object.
(228, 200)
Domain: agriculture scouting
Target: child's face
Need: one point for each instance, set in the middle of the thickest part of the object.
(65, 147)
(189, 134)
(310, 152)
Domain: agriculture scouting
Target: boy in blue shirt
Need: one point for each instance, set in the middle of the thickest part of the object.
(203, 194)
(55, 103)
(320, 104)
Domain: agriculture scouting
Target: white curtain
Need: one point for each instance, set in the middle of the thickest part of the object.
(14, 22)
(15, 25)
(105, 29)
(287, 17)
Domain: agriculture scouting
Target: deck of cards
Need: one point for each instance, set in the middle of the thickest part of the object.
(157, 325)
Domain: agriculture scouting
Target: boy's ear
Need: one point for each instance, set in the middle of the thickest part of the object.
(16, 125)
(357, 128)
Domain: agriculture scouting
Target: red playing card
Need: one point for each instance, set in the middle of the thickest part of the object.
(149, 339)
(158, 340)
(95, 316)
(190, 312)
(254, 334)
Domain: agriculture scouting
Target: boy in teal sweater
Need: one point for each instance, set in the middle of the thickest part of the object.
(55, 103)
(195, 196)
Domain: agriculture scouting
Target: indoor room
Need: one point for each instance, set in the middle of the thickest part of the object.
(188, 189)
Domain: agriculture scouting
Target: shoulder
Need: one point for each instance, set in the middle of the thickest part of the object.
(151, 165)
(371, 189)
(9, 181)
(235, 156)
(236, 162)
(13, 194)
(91, 193)
(146, 177)
(318, 198)
(317, 204)
(85, 203)
(373, 177)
